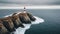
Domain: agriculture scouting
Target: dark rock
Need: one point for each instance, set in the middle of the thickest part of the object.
(7, 22)
(3, 30)
(31, 17)
(17, 22)
(24, 18)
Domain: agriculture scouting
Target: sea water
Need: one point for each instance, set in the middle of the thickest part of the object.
(51, 17)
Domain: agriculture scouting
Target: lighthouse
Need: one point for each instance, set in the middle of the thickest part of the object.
(24, 8)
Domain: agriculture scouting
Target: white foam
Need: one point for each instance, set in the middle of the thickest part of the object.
(25, 12)
(8, 15)
(38, 20)
(12, 14)
(27, 26)
(18, 13)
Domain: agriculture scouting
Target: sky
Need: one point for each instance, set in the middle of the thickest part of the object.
(29, 2)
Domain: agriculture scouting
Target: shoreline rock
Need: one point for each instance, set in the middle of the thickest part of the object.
(11, 23)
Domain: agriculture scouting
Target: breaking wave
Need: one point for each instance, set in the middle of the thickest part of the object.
(27, 26)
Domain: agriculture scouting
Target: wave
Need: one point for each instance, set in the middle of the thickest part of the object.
(27, 26)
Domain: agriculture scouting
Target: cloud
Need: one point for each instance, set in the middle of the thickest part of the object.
(32, 2)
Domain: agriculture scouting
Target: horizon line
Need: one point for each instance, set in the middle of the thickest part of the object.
(31, 7)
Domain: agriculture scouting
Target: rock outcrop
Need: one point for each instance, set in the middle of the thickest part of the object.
(24, 18)
(11, 23)
(32, 18)
(7, 22)
(17, 22)
(3, 29)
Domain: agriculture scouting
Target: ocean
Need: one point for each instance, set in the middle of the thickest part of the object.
(51, 24)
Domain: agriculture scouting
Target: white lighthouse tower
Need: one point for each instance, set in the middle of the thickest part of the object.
(24, 8)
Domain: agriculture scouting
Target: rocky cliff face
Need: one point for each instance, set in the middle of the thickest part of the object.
(11, 23)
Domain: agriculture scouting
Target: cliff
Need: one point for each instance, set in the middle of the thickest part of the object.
(11, 23)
